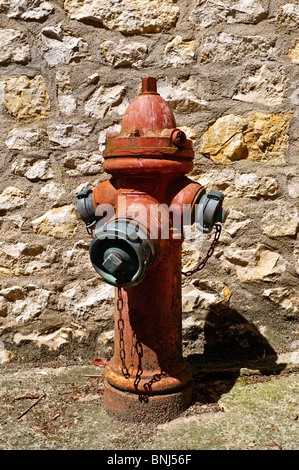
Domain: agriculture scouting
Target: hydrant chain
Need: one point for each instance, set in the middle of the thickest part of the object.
(120, 323)
(139, 350)
(210, 252)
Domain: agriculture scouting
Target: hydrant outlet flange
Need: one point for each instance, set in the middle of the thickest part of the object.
(210, 211)
(85, 207)
(121, 251)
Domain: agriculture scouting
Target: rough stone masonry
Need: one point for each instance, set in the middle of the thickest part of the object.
(230, 71)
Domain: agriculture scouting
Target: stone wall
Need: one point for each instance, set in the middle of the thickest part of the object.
(230, 71)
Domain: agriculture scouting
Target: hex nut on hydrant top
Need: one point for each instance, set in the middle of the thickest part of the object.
(137, 219)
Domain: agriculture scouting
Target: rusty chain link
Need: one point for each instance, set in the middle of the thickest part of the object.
(210, 252)
(120, 325)
(139, 350)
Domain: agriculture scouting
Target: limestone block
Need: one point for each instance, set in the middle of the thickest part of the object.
(5, 354)
(190, 132)
(26, 97)
(25, 138)
(83, 296)
(178, 52)
(12, 222)
(105, 343)
(252, 185)
(59, 222)
(77, 259)
(224, 140)
(60, 48)
(32, 305)
(293, 187)
(40, 170)
(52, 192)
(25, 303)
(124, 53)
(285, 298)
(55, 339)
(254, 264)
(295, 352)
(208, 12)
(232, 49)
(281, 220)
(36, 259)
(66, 100)
(183, 96)
(289, 13)
(66, 103)
(33, 170)
(130, 17)
(14, 293)
(193, 247)
(3, 308)
(107, 100)
(12, 198)
(294, 54)
(13, 47)
(26, 9)
(190, 298)
(265, 86)
(234, 184)
(255, 137)
(83, 163)
(23, 259)
(236, 221)
(67, 135)
(10, 254)
(204, 294)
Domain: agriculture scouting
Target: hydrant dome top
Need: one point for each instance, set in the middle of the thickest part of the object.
(148, 111)
(148, 132)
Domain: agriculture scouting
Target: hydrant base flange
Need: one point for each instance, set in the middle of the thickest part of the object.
(128, 407)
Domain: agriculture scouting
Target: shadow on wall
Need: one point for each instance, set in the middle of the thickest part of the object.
(231, 344)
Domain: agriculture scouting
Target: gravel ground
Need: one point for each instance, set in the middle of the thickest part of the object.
(61, 408)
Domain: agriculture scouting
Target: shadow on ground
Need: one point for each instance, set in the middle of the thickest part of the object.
(233, 348)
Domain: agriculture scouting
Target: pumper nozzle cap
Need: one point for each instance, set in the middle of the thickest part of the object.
(209, 211)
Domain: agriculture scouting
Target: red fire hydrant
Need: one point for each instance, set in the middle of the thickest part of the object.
(138, 216)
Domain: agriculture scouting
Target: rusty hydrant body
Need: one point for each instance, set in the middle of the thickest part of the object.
(138, 216)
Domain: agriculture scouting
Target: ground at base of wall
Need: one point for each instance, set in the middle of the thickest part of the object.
(61, 408)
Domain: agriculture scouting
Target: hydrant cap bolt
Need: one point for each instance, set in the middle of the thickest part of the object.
(113, 262)
(178, 138)
(120, 262)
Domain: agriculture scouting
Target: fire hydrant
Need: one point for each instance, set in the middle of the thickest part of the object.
(138, 216)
